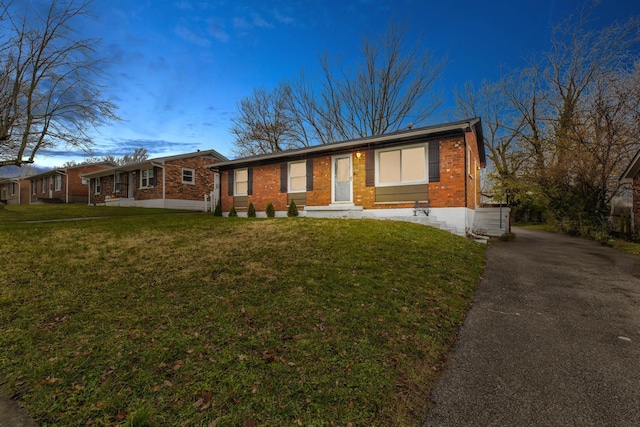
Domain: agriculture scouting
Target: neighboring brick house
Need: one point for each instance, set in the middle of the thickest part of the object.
(63, 185)
(632, 176)
(14, 191)
(179, 182)
(377, 177)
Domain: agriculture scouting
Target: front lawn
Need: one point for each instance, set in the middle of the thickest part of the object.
(51, 212)
(197, 320)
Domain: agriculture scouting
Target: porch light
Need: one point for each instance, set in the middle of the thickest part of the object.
(358, 155)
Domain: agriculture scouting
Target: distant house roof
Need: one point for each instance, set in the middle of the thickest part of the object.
(632, 170)
(12, 179)
(157, 161)
(446, 129)
(67, 169)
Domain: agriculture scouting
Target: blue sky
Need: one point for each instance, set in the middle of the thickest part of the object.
(177, 68)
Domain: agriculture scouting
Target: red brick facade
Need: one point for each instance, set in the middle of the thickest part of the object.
(167, 174)
(458, 186)
(64, 184)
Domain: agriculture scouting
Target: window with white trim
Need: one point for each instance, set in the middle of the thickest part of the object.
(13, 188)
(241, 182)
(97, 186)
(43, 185)
(146, 178)
(297, 177)
(4, 191)
(188, 176)
(58, 182)
(34, 187)
(402, 166)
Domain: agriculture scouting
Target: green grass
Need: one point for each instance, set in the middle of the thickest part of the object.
(44, 212)
(539, 226)
(626, 247)
(618, 244)
(197, 320)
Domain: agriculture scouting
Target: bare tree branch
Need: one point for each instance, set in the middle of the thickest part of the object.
(391, 87)
(50, 82)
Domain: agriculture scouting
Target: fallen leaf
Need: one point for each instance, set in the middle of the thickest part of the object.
(198, 403)
(250, 423)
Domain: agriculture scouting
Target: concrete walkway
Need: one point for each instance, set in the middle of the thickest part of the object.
(553, 339)
(11, 415)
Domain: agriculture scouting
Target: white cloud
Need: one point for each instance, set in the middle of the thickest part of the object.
(282, 18)
(217, 31)
(184, 4)
(191, 37)
(259, 21)
(241, 23)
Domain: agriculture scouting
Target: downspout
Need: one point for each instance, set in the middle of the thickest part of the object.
(164, 182)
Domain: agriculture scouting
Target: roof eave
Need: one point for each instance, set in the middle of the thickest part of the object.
(446, 128)
(632, 170)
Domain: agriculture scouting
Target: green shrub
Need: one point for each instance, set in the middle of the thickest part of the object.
(292, 210)
(232, 211)
(271, 211)
(218, 210)
(251, 210)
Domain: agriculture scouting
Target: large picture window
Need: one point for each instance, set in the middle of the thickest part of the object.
(407, 165)
(241, 180)
(297, 177)
(58, 182)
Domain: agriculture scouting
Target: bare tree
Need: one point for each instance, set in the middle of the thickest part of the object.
(501, 136)
(50, 82)
(571, 118)
(139, 154)
(391, 87)
(263, 124)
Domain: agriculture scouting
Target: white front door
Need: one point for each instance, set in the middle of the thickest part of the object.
(130, 182)
(342, 180)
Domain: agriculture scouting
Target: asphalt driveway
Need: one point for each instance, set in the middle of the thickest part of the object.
(553, 339)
